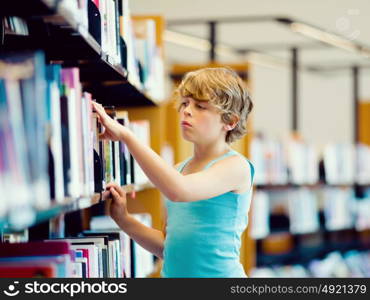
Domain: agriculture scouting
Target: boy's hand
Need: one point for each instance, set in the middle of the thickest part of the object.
(118, 206)
(112, 129)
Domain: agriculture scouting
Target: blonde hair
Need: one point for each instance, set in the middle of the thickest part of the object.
(224, 89)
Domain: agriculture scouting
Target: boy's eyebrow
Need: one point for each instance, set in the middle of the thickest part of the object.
(196, 100)
(201, 101)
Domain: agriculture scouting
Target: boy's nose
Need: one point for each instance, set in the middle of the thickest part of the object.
(187, 111)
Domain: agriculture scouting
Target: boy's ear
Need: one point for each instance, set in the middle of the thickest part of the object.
(234, 121)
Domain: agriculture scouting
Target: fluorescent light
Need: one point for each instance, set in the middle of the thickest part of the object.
(222, 50)
(187, 40)
(328, 38)
(198, 44)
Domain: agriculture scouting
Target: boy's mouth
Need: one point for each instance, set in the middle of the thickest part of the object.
(184, 123)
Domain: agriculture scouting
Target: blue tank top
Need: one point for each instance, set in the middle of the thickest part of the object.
(203, 238)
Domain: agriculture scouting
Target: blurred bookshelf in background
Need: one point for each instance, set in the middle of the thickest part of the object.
(311, 209)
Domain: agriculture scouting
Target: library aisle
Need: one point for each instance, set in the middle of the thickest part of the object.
(307, 138)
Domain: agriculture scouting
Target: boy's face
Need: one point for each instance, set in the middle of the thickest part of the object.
(200, 121)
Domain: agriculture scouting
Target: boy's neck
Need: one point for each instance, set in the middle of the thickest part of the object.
(204, 152)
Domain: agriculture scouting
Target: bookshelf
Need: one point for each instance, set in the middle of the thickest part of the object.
(303, 226)
(65, 40)
(61, 35)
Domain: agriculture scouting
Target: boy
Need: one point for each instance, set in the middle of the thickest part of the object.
(208, 195)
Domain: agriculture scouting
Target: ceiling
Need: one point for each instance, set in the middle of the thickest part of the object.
(348, 18)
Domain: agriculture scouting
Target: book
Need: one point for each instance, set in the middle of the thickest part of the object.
(127, 32)
(72, 91)
(303, 211)
(80, 264)
(91, 252)
(54, 105)
(339, 163)
(339, 208)
(362, 166)
(101, 243)
(102, 224)
(269, 159)
(148, 53)
(123, 119)
(141, 129)
(260, 226)
(36, 271)
(38, 253)
(362, 212)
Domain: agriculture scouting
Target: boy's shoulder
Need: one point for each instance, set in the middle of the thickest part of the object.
(234, 164)
(239, 168)
(236, 161)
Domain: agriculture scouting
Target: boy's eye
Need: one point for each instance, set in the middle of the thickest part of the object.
(200, 106)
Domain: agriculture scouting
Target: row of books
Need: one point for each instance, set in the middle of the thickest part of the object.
(297, 162)
(148, 57)
(23, 135)
(340, 207)
(103, 252)
(49, 142)
(101, 19)
(141, 262)
(118, 163)
(15, 25)
(349, 264)
(347, 163)
(281, 163)
(127, 41)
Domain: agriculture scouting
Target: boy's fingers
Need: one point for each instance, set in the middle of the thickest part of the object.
(96, 107)
(112, 184)
(99, 109)
(117, 188)
(114, 193)
(102, 136)
(106, 195)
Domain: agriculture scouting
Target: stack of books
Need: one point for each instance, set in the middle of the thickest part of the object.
(36, 259)
(104, 251)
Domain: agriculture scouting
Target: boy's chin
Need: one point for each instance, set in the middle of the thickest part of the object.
(186, 137)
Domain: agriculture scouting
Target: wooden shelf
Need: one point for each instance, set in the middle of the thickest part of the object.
(301, 249)
(29, 8)
(118, 94)
(69, 205)
(138, 187)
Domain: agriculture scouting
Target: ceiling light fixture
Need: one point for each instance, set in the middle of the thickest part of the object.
(325, 36)
(223, 50)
